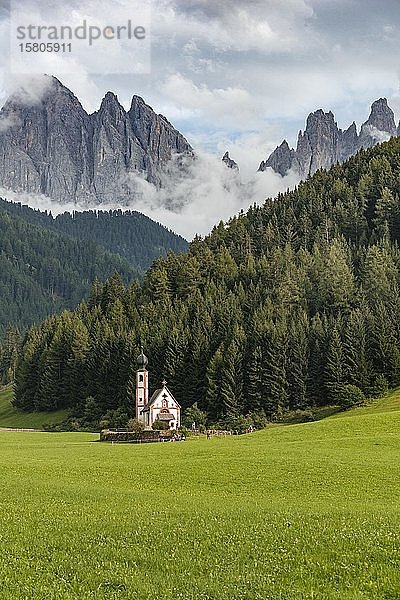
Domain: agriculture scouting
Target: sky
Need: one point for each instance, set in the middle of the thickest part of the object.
(237, 75)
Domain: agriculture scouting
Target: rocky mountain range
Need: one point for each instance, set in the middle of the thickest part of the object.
(54, 147)
(323, 144)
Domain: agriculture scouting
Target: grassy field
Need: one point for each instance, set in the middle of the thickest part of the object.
(11, 417)
(306, 511)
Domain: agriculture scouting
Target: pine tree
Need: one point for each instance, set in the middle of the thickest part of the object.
(214, 405)
(297, 362)
(357, 366)
(334, 371)
(232, 378)
(274, 369)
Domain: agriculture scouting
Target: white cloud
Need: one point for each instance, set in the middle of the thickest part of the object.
(377, 135)
(190, 202)
(206, 192)
(7, 122)
(227, 105)
(27, 89)
(262, 25)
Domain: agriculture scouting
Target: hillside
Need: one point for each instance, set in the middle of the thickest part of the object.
(291, 306)
(15, 419)
(130, 234)
(390, 402)
(295, 512)
(290, 303)
(48, 264)
(42, 272)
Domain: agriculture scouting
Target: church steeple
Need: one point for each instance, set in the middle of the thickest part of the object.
(142, 385)
(142, 360)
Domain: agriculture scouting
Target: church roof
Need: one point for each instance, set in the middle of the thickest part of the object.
(152, 399)
(156, 395)
(142, 360)
(165, 416)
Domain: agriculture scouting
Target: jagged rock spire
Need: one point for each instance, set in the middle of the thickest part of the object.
(322, 143)
(229, 162)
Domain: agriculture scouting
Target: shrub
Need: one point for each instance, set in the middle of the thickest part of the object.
(117, 419)
(295, 416)
(379, 387)
(350, 395)
(160, 425)
(194, 415)
(258, 419)
(237, 423)
(135, 425)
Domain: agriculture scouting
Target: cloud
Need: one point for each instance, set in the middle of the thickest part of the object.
(265, 60)
(206, 191)
(260, 25)
(225, 104)
(27, 89)
(192, 200)
(242, 75)
(377, 135)
(7, 122)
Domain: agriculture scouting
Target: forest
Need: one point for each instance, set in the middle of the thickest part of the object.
(291, 306)
(128, 233)
(48, 264)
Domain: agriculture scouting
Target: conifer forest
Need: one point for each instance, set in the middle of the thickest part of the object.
(293, 305)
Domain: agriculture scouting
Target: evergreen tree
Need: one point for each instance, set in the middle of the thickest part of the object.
(334, 372)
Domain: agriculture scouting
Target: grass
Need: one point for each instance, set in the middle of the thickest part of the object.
(11, 417)
(388, 403)
(306, 511)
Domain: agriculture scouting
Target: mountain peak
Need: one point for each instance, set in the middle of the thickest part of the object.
(59, 150)
(137, 103)
(110, 103)
(382, 117)
(227, 160)
(39, 90)
(281, 159)
(319, 116)
(322, 143)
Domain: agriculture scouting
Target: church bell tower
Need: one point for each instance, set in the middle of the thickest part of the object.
(142, 385)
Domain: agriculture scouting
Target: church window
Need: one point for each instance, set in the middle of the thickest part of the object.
(140, 377)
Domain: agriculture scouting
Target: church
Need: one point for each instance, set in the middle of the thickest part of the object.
(162, 406)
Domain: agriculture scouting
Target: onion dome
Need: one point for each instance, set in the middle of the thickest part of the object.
(142, 360)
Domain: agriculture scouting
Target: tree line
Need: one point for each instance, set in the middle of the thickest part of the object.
(42, 272)
(130, 234)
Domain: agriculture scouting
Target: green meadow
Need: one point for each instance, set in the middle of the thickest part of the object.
(306, 511)
(11, 417)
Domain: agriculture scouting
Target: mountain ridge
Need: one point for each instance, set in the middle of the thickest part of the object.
(54, 147)
(323, 143)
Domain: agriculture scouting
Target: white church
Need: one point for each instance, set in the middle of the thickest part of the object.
(162, 406)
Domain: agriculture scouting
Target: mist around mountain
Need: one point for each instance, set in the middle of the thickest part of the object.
(56, 156)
